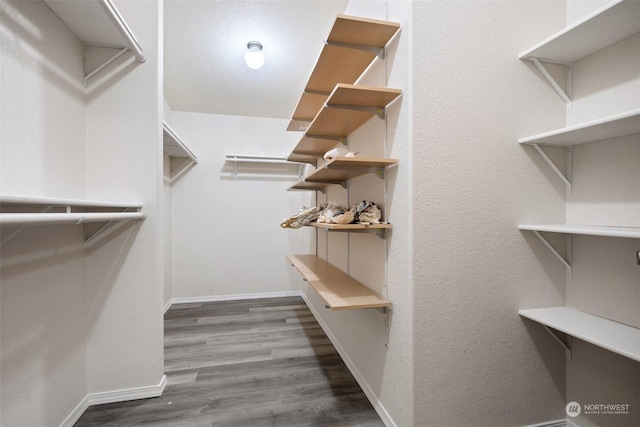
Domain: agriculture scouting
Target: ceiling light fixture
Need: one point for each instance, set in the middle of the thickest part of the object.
(254, 56)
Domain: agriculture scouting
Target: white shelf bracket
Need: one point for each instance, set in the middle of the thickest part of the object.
(567, 343)
(569, 165)
(103, 231)
(378, 51)
(568, 249)
(88, 75)
(566, 96)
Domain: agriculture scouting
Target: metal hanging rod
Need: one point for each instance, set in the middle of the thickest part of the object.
(54, 201)
(123, 29)
(250, 158)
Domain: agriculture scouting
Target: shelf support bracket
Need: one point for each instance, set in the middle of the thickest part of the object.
(566, 262)
(569, 165)
(88, 75)
(378, 51)
(567, 343)
(378, 111)
(566, 96)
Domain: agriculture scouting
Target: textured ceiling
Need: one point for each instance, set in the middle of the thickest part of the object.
(204, 45)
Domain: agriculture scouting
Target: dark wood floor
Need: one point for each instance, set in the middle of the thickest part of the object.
(260, 362)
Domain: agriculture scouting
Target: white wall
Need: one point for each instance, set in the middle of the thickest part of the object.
(477, 363)
(225, 230)
(75, 322)
(42, 271)
(124, 162)
(166, 209)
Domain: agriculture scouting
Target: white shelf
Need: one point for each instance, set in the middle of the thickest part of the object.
(98, 24)
(20, 212)
(65, 218)
(610, 335)
(50, 201)
(173, 147)
(610, 24)
(587, 230)
(596, 130)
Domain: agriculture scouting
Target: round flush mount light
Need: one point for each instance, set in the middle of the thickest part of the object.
(254, 56)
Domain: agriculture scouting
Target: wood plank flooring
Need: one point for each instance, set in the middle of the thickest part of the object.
(261, 362)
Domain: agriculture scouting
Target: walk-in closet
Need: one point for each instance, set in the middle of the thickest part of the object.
(320, 212)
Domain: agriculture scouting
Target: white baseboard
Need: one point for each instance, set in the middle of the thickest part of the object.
(555, 423)
(377, 405)
(233, 297)
(112, 397)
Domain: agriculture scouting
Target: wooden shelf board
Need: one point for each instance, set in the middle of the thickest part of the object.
(348, 227)
(615, 126)
(338, 64)
(340, 122)
(314, 146)
(587, 230)
(335, 65)
(613, 336)
(362, 31)
(337, 289)
(343, 168)
(298, 125)
(313, 186)
(613, 22)
(308, 106)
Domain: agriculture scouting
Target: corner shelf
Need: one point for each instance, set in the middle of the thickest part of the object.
(339, 290)
(348, 107)
(74, 211)
(610, 335)
(98, 24)
(352, 46)
(341, 169)
(173, 147)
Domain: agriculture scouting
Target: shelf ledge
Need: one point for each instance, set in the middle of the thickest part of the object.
(98, 24)
(378, 229)
(339, 290)
(21, 220)
(175, 148)
(608, 334)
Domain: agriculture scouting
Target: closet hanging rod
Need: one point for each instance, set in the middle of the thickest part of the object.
(257, 158)
(51, 201)
(68, 218)
(122, 28)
